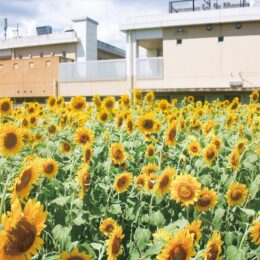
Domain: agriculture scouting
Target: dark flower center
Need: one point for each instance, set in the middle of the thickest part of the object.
(25, 179)
(10, 140)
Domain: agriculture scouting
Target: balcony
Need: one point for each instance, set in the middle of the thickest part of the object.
(177, 6)
(96, 70)
(149, 68)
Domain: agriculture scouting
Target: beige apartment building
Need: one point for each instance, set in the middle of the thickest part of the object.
(29, 66)
(207, 53)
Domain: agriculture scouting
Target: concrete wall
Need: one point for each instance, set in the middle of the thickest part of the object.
(203, 62)
(90, 88)
(28, 77)
(49, 50)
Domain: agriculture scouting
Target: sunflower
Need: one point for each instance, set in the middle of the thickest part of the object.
(207, 199)
(87, 153)
(97, 101)
(107, 226)
(25, 123)
(150, 151)
(150, 169)
(33, 120)
(103, 116)
(150, 181)
(125, 101)
(208, 126)
(140, 182)
(77, 103)
(129, 125)
(108, 103)
(254, 96)
(194, 229)
(117, 153)
(236, 194)
(170, 134)
(217, 142)
(84, 136)
(163, 105)
(147, 123)
(180, 246)
(255, 232)
(185, 189)
(213, 247)
(115, 248)
(164, 181)
(66, 147)
(120, 120)
(161, 235)
(49, 168)
(234, 161)
(240, 145)
(122, 182)
(52, 129)
(210, 153)
(194, 148)
(11, 141)
(137, 96)
(23, 183)
(6, 106)
(83, 177)
(75, 254)
(51, 102)
(149, 97)
(20, 238)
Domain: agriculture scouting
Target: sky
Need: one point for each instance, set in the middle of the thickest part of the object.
(58, 14)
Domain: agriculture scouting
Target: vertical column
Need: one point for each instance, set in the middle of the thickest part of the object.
(130, 61)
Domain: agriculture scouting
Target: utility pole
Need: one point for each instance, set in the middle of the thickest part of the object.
(5, 27)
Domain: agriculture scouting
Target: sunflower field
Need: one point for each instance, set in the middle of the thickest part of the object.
(139, 178)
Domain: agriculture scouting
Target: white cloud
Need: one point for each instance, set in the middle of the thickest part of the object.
(58, 14)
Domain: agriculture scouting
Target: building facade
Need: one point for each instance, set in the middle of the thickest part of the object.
(208, 53)
(29, 66)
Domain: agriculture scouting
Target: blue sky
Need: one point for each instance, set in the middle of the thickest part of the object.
(58, 13)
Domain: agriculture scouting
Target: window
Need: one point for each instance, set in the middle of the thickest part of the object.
(41, 54)
(15, 66)
(64, 54)
(220, 38)
(47, 63)
(179, 41)
(1, 67)
(31, 65)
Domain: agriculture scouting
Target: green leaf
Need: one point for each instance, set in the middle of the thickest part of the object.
(115, 209)
(218, 218)
(249, 212)
(62, 235)
(252, 158)
(234, 253)
(96, 246)
(229, 238)
(50, 257)
(206, 180)
(61, 201)
(142, 237)
(157, 219)
(248, 165)
(255, 186)
(78, 221)
(153, 250)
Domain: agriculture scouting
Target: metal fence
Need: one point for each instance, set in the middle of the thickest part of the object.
(197, 5)
(149, 68)
(93, 70)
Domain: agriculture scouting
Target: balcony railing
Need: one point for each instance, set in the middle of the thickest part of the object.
(96, 70)
(149, 68)
(176, 6)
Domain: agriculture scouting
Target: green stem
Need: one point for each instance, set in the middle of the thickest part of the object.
(102, 252)
(4, 193)
(244, 237)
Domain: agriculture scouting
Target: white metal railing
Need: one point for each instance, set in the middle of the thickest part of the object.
(93, 70)
(149, 68)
